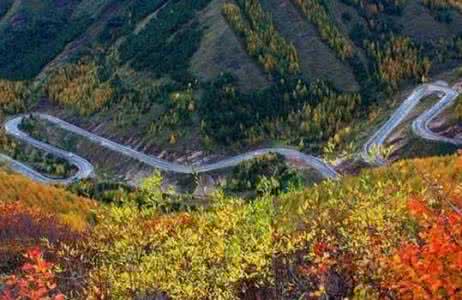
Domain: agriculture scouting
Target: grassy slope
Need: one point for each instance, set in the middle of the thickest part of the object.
(317, 60)
(70, 209)
(221, 51)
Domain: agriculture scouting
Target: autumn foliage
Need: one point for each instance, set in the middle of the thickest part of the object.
(316, 12)
(389, 233)
(430, 268)
(81, 87)
(22, 228)
(35, 282)
(262, 40)
(12, 96)
(66, 207)
(398, 59)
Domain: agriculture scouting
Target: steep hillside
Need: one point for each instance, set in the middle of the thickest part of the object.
(66, 207)
(34, 32)
(207, 78)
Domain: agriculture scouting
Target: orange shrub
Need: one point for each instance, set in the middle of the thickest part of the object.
(69, 209)
(36, 281)
(22, 228)
(430, 268)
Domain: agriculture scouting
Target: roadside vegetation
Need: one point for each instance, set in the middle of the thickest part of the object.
(268, 174)
(40, 161)
(294, 112)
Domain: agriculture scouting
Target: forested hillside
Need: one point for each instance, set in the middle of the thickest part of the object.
(252, 71)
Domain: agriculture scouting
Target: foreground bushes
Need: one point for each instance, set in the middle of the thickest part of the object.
(22, 228)
(388, 233)
(197, 255)
(432, 267)
(36, 281)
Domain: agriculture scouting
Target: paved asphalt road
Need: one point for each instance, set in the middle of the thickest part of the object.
(85, 169)
(420, 126)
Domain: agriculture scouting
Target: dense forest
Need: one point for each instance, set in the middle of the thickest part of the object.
(292, 111)
(399, 60)
(165, 46)
(80, 86)
(38, 34)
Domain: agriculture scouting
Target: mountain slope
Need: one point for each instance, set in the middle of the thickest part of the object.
(176, 79)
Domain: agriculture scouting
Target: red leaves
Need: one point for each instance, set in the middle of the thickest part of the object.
(418, 209)
(320, 248)
(431, 269)
(22, 228)
(36, 281)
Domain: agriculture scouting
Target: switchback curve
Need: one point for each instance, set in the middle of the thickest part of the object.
(85, 169)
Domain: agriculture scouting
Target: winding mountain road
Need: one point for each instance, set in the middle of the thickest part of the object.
(420, 126)
(85, 169)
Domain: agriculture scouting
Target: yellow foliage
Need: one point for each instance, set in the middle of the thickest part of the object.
(13, 95)
(262, 39)
(365, 216)
(197, 255)
(80, 86)
(70, 209)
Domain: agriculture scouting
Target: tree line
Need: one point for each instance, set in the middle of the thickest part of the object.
(316, 12)
(262, 40)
